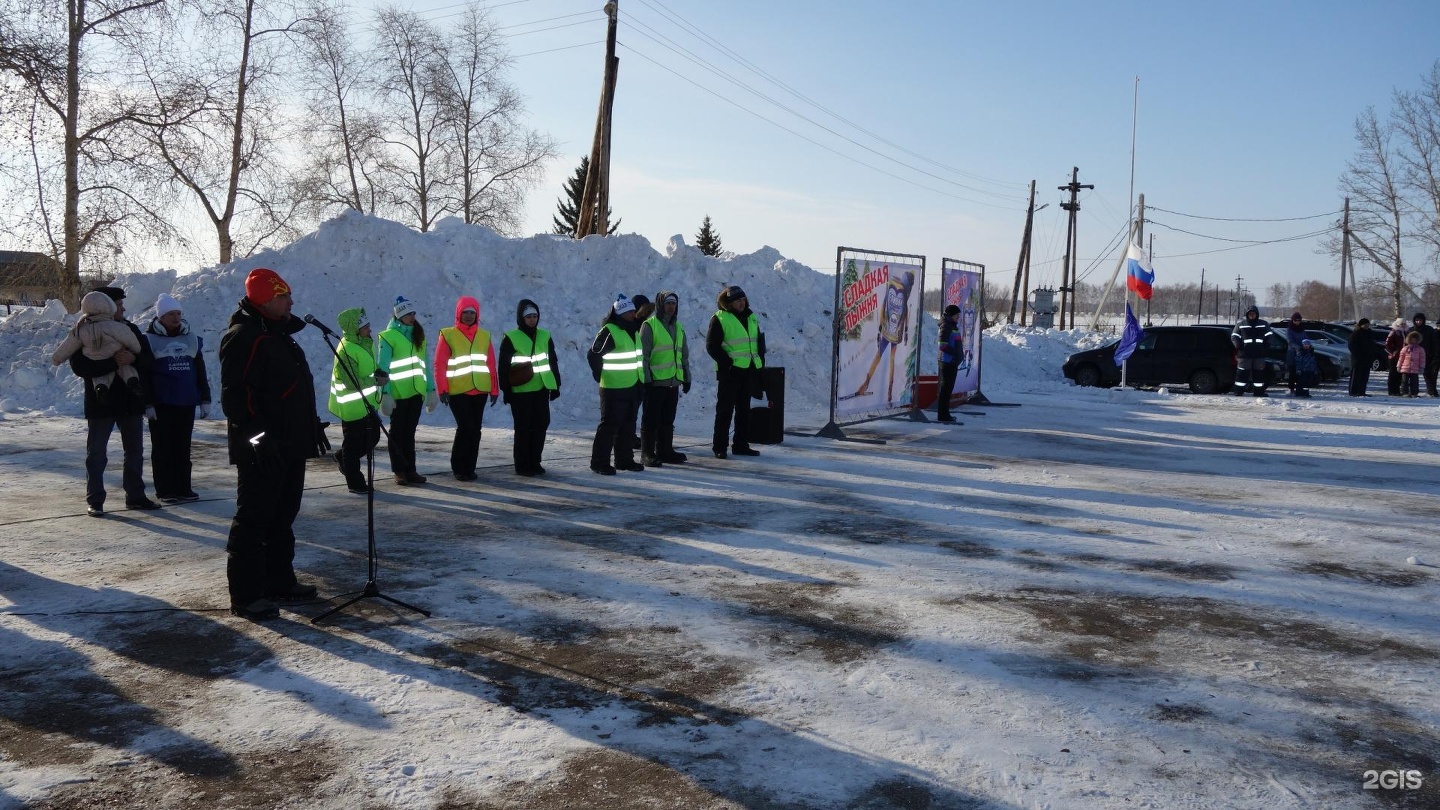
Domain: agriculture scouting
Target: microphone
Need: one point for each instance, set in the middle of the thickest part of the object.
(310, 319)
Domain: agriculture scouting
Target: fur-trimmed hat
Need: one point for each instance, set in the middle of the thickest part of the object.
(733, 293)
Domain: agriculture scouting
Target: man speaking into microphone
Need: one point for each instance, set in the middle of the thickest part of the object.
(268, 395)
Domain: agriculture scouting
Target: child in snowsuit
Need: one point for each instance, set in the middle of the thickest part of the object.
(1307, 369)
(1411, 364)
(99, 336)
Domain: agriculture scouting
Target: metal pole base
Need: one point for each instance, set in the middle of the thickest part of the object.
(370, 591)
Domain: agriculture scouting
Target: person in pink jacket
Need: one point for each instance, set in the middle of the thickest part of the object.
(1411, 364)
(465, 376)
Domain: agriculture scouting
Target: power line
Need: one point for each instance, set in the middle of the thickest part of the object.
(1243, 247)
(1226, 239)
(562, 48)
(684, 53)
(699, 33)
(807, 138)
(1240, 219)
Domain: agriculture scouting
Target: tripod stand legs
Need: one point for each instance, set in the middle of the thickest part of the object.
(371, 591)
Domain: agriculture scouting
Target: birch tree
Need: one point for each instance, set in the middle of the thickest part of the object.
(343, 137)
(408, 48)
(1377, 207)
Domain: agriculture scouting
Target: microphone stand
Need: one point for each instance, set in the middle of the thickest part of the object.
(371, 589)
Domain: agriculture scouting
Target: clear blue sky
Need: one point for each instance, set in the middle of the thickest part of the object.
(1246, 111)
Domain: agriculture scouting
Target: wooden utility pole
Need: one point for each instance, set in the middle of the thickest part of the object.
(594, 214)
(1024, 261)
(1344, 257)
(1067, 282)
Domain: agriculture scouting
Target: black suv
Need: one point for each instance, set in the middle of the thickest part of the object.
(1198, 356)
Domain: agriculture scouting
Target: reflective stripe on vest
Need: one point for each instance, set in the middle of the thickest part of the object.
(665, 356)
(742, 344)
(407, 365)
(536, 354)
(620, 367)
(345, 401)
(469, 366)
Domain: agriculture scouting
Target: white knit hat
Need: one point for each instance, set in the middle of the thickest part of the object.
(165, 304)
(623, 305)
(403, 307)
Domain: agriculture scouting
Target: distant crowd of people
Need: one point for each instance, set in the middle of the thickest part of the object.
(640, 360)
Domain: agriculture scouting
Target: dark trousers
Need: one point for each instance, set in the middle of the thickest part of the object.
(616, 432)
(1410, 385)
(657, 423)
(1430, 375)
(1359, 379)
(947, 389)
(403, 421)
(132, 439)
(732, 401)
(469, 413)
(359, 438)
(531, 414)
(1392, 384)
(262, 537)
(170, 433)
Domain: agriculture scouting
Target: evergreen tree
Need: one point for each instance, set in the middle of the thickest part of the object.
(707, 240)
(569, 205)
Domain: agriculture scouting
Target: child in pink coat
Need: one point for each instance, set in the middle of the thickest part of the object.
(1411, 364)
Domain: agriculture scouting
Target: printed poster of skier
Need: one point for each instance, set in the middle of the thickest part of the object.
(964, 289)
(879, 306)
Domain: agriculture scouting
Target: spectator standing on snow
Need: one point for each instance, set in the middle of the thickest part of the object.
(118, 407)
(1412, 364)
(1249, 340)
(465, 377)
(1307, 369)
(529, 380)
(409, 385)
(180, 386)
(1430, 342)
(268, 395)
(1394, 342)
(356, 408)
(1294, 337)
(614, 359)
(1362, 355)
(734, 341)
(951, 352)
(665, 371)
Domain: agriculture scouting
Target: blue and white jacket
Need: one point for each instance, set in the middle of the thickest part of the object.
(178, 377)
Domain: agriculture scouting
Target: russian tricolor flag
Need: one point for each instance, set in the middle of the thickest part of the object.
(1138, 275)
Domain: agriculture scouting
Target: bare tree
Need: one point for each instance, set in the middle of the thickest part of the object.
(63, 55)
(1416, 119)
(1279, 295)
(1377, 210)
(492, 158)
(408, 48)
(345, 147)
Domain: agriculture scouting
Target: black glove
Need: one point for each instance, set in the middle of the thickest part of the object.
(685, 387)
(445, 399)
(322, 442)
(267, 454)
(555, 394)
(381, 377)
(505, 397)
(493, 399)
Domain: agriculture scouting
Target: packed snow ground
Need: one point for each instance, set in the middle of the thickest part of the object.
(1097, 599)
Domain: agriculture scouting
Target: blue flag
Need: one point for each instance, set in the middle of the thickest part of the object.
(1130, 339)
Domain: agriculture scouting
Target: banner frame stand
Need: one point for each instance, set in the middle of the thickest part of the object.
(977, 399)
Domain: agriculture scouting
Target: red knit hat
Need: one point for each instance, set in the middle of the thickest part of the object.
(263, 284)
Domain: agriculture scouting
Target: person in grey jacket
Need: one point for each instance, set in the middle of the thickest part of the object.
(665, 372)
(1249, 340)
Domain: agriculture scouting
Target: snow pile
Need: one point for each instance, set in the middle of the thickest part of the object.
(358, 260)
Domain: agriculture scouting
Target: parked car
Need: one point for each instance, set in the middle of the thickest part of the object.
(1198, 356)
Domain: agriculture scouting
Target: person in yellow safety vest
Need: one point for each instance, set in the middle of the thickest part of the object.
(529, 380)
(465, 376)
(665, 371)
(359, 424)
(614, 360)
(409, 383)
(735, 343)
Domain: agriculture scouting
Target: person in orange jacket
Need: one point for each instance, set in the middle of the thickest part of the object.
(465, 376)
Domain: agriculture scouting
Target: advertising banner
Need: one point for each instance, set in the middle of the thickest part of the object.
(964, 286)
(878, 345)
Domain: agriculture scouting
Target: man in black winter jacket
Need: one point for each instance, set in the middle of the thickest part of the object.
(118, 408)
(268, 395)
(1430, 340)
(1249, 339)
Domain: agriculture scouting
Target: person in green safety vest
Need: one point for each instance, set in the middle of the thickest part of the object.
(465, 377)
(529, 381)
(735, 343)
(359, 424)
(614, 359)
(409, 384)
(665, 370)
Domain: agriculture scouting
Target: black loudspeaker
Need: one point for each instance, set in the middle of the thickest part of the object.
(767, 417)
